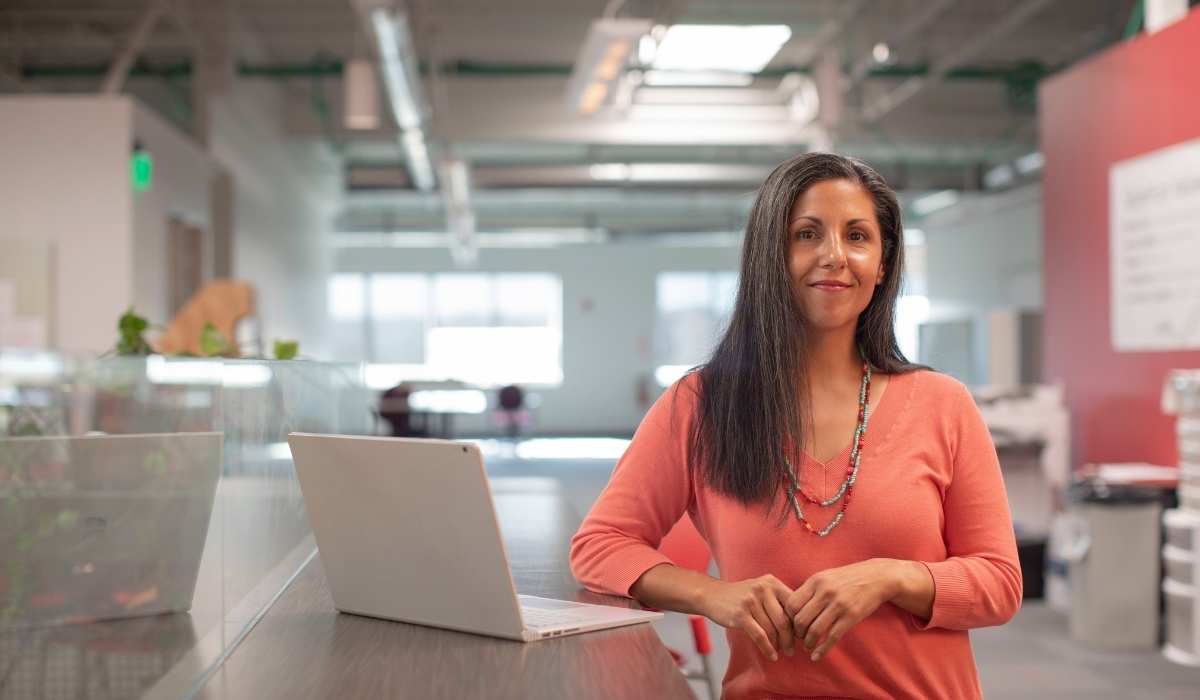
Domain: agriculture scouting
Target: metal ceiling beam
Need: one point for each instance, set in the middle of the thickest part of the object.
(918, 22)
(904, 92)
(119, 70)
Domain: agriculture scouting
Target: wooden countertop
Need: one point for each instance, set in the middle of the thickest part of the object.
(304, 648)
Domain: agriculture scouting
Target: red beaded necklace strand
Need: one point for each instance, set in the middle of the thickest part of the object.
(847, 487)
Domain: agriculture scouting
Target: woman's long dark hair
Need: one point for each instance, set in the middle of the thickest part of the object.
(751, 404)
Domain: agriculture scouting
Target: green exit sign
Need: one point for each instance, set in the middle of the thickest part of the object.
(141, 170)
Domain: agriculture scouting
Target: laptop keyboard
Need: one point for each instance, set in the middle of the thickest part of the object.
(541, 617)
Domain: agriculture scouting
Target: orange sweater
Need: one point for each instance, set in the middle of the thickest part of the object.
(929, 490)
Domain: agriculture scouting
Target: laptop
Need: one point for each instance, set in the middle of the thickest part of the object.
(407, 531)
(103, 527)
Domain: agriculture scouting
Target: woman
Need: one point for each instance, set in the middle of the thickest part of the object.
(853, 501)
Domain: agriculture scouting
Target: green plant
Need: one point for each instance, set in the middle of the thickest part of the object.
(212, 343)
(130, 340)
(286, 349)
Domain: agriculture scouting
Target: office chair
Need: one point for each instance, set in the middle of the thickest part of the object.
(511, 412)
(687, 549)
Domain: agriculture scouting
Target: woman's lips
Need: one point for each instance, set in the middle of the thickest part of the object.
(830, 286)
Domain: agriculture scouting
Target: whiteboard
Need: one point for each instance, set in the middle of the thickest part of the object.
(1154, 206)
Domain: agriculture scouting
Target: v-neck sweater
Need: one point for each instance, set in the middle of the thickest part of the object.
(929, 490)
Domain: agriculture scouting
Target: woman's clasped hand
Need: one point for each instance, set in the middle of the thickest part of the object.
(814, 616)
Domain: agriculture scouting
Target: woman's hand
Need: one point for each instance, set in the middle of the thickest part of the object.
(831, 602)
(754, 606)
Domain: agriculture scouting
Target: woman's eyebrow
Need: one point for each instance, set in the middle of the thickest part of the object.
(810, 218)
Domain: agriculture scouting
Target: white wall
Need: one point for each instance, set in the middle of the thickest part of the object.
(607, 349)
(65, 183)
(180, 188)
(285, 198)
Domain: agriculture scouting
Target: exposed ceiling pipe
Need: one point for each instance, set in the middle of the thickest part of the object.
(905, 91)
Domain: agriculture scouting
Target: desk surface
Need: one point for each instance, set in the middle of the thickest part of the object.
(304, 648)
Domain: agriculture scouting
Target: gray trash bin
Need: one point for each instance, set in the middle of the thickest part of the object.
(1114, 567)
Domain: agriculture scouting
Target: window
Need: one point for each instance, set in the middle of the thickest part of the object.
(399, 307)
(488, 329)
(347, 307)
(692, 311)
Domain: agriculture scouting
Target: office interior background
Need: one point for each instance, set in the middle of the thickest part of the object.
(517, 222)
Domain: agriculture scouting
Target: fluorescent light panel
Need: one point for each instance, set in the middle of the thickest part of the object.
(737, 48)
(696, 78)
(404, 92)
(399, 76)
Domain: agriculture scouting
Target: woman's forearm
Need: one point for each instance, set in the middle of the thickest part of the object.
(669, 587)
(912, 588)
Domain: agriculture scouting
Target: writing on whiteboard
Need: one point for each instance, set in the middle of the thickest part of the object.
(1154, 207)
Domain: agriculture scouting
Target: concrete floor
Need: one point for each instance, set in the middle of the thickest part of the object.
(1030, 657)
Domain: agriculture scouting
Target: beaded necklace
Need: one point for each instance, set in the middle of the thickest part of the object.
(847, 487)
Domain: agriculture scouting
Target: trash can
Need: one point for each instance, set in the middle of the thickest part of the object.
(1113, 566)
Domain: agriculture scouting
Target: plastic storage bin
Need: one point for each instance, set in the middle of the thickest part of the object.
(1183, 627)
(1180, 565)
(1182, 527)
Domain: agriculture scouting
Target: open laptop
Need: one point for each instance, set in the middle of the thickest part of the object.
(407, 531)
(103, 527)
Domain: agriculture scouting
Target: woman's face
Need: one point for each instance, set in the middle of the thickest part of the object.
(835, 254)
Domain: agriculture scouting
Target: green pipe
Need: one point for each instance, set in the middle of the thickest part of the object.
(1021, 72)
(1136, 16)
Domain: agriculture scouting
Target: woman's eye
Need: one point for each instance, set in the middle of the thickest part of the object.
(806, 234)
(858, 236)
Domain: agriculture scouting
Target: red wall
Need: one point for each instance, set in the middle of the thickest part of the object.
(1137, 97)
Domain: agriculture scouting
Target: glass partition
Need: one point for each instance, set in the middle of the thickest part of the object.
(149, 512)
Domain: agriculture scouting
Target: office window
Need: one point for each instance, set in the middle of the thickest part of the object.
(462, 299)
(347, 307)
(693, 309)
(482, 328)
(399, 309)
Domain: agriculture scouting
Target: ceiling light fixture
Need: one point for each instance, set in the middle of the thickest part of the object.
(696, 78)
(460, 217)
(601, 62)
(736, 48)
(404, 91)
(881, 52)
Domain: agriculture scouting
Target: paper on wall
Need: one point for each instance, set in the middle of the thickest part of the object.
(1154, 206)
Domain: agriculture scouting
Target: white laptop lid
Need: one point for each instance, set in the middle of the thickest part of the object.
(406, 531)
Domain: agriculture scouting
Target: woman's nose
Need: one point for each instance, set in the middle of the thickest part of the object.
(832, 251)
